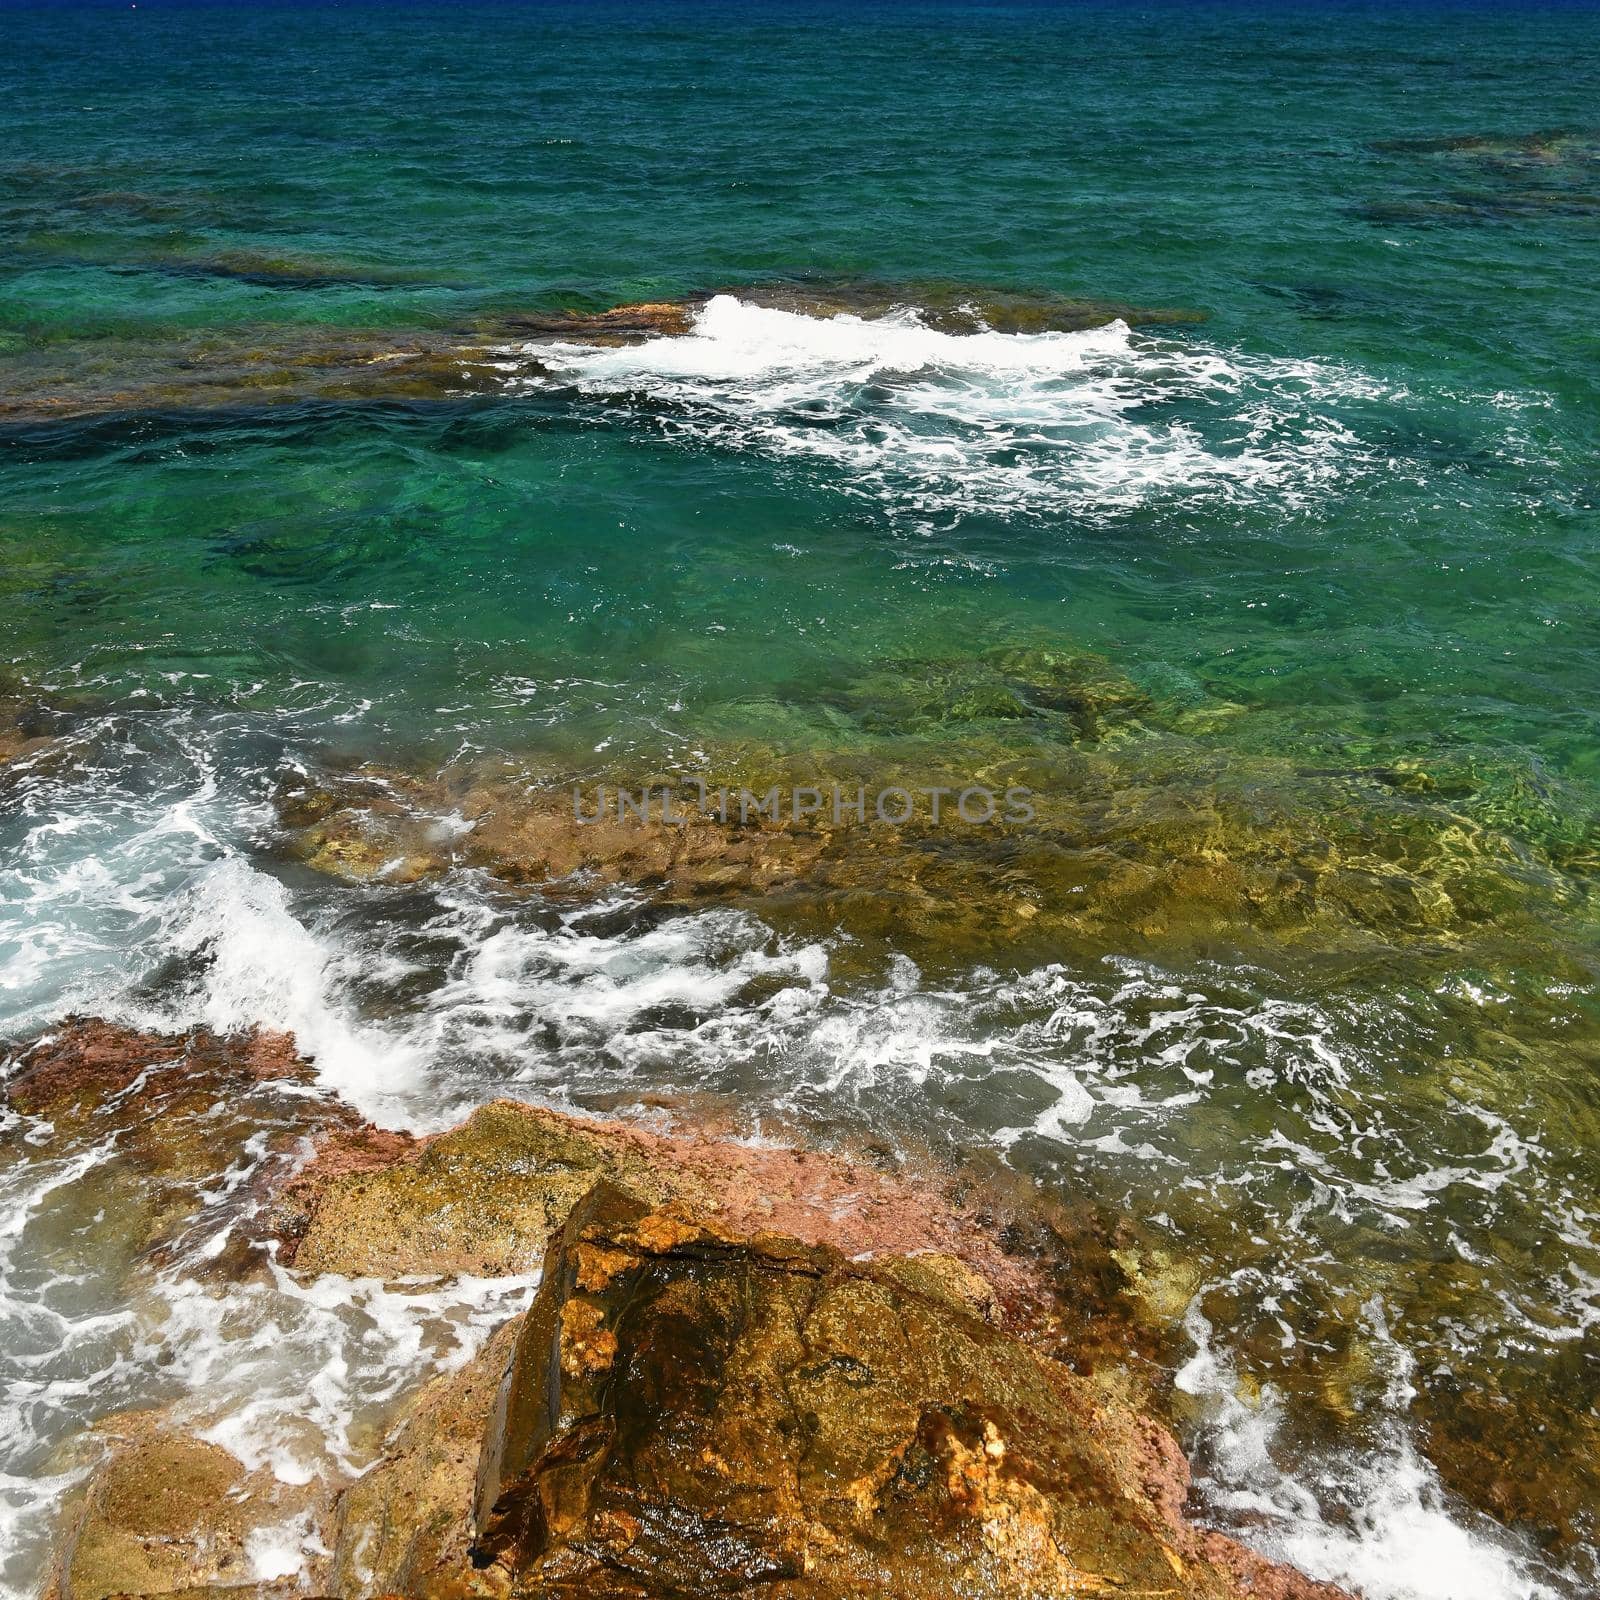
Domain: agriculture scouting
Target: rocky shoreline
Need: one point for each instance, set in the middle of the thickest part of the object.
(745, 1366)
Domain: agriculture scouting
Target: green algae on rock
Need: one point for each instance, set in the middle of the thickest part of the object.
(1141, 838)
(1074, 696)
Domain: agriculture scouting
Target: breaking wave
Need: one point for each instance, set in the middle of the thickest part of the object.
(936, 425)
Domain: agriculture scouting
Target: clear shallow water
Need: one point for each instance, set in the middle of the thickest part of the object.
(1349, 519)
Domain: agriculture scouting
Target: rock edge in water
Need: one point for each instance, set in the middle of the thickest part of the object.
(248, 368)
(745, 1365)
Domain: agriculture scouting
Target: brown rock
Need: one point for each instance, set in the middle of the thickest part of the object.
(483, 1198)
(28, 726)
(404, 1526)
(957, 308)
(1141, 840)
(179, 1110)
(693, 1412)
(166, 1513)
(72, 1074)
(745, 1365)
(620, 324)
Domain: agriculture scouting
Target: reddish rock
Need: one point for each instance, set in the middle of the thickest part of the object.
(486, 1197)
(171, 1112)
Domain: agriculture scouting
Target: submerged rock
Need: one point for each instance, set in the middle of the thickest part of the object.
(1525, 1446)
(272, 268)
(242, 370)
(1546, 146)
(28, 726)
(390, 826)
(1486, 206)
(1137, 836)
(168, 1115)
(1548, 173)
(958, 308)
(1073, 695)
(167, 1513)
(275, 364)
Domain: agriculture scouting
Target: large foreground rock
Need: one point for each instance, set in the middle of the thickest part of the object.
(747, 1368)
(692, 1412)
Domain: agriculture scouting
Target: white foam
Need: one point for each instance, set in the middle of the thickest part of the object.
(937, 424)
(263, 967)
(281, 1550)
(1392, 1537)
(283, 1374)
(120, 870)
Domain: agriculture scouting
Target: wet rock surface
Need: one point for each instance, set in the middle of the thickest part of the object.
(1525, 1448)
(765, 1363)
(160, 1121)
(405, 1528)
(242, 370)
(486, 1198)
(958, 308)
(168, 1513)
(689, 1411)
(483, 1198)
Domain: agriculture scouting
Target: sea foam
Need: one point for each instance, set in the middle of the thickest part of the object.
(934, 424)
(145, 900)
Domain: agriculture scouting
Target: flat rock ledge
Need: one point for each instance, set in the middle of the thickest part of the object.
(746, 1370)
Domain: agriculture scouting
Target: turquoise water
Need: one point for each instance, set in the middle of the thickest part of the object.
(1413, 550)
(1340, 538)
